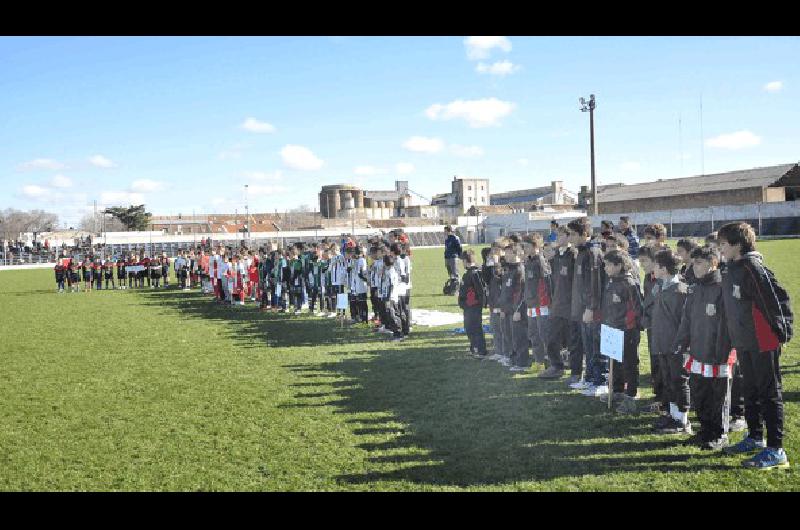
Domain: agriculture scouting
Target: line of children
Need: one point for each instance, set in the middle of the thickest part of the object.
(705, 314)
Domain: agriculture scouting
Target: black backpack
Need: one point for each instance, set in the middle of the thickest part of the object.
(776, 303)
(451, 287)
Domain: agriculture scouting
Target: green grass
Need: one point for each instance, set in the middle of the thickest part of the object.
(130, 390)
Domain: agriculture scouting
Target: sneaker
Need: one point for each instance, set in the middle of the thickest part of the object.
(588, 390)
(747, 445)
(552, 373)
(505, 361)
(677, 427)
(737, 425)
(769, 458)
(580, 385)
(716, 444)
(599, 391)
(517, 369)
(627, 406)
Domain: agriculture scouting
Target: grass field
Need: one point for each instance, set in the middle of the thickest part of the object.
(164, 390)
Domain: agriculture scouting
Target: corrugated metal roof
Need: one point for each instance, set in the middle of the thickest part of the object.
(748, 178)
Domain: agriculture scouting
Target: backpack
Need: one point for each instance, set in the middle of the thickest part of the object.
(776, 304)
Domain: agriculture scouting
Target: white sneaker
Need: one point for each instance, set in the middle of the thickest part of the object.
(580, 385)
(331, 315)
(505, 361)
(589, 390)
(600, 391)
(517, 369)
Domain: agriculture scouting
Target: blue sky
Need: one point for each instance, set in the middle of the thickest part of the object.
(184, 123)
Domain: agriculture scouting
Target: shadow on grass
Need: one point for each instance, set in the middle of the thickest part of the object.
(465, 422)
(253, 329)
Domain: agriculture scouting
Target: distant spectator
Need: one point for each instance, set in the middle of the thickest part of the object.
(452, 251)
(633, 240)
(553, 235)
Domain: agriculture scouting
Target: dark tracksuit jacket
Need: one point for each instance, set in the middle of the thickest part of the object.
(472, 284)
(647, 316)
(515, 334)
(493, 280)
(587, 293)
(622, 309)
(563, 332)
(704, 334)
(537, 292)
(666, 312)
(753, 311)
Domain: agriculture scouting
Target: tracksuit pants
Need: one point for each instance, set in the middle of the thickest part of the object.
(596, 365)
(655, 371)
(537, 336)
(563, 332)
(515, 338)
(737, 397)
(626, 373)
(711, 401)
(496, 322)
(473, 326)
(675, 381)
(763, 395)
(393, 322)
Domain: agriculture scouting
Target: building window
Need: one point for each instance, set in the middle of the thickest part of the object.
(481, 188)
(483, 199)
(469, 188)
(470, 199)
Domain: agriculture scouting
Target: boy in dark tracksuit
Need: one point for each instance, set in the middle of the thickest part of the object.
(622, 309)
(759, 319)
(647, 262)
(563, 331)
(668, 298)
(587, 289)
(472, 299)
(512, 304)
(536, 269)
(61, 275)
(703, 334)
(492, 276)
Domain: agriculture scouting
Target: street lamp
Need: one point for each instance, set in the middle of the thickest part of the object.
(589, 106)
(246, 217)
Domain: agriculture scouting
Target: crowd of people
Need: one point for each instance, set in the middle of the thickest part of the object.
(714, 314)
(715, 318)
(312, 277)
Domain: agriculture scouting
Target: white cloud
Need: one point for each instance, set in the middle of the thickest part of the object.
(774, 86)
(255, 126)
(33, 191)
(630, 166)
(500, 68)
(404, 168)
(466, 151)
(369, 170)
(263, 175)
(60, 181)
(101, 161)
(41, 163)
(736, 140)
(120, 198)
(481, 47)
(523, 162)
(422, 144)
(299, 157)
(477, 112)
(146, 186)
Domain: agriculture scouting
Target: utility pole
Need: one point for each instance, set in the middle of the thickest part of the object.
(589, 106)
(246, 217)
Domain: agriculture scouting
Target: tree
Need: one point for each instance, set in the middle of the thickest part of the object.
(133, 217)
(13, 222)
(100, 222)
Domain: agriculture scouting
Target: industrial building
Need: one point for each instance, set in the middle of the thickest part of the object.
(750, 186)
(345, 201)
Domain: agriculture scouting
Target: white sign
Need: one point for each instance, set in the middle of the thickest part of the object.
(134, 268)
(612, 342)
(342, 301)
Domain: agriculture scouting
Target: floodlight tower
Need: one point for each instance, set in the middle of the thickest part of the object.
(588, 106)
